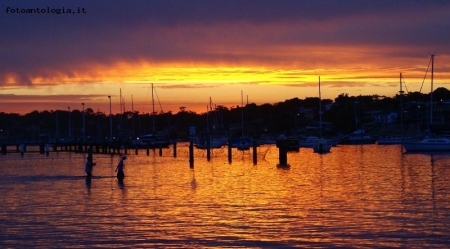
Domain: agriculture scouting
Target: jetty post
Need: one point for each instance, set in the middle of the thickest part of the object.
(283, 147)
(229, 151)
(208, 149)
(3, 149)
(255, 152)
(175, 149)
(191, 154)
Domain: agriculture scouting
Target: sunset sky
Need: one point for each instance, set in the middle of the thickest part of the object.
(194, 50)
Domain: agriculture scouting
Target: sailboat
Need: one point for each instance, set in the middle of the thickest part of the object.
(398, 139)
(321, 146)
(243, 142)
(432, 143)
(154, 139)
(358, 136)
(213, 139)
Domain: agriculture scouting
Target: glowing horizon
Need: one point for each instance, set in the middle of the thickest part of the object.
(222, 84)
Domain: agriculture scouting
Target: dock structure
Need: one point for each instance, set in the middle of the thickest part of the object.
(114, 148)
(81, 147)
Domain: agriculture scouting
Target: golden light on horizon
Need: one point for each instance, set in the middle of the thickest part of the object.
(191, 84)
(278, 65)
(129, 73)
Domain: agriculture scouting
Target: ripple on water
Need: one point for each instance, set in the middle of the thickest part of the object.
(355, 196)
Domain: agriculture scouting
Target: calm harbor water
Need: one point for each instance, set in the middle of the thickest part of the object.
(356, 196)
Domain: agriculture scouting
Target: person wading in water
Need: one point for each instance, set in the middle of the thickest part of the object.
(88, 167)
(119, 169)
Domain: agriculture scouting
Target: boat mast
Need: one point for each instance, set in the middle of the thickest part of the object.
(153, 112)
(242, 112)
(320, 110)
(431, 94)
(121, 110)
(208, 109)
(132, 110)
(401, 102)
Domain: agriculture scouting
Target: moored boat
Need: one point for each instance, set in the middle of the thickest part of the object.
(210, 142)
(428, 144)
(308, 142)
(241, 143)
(322, 146)
(396, 140)
(151, 141)
(358, 137)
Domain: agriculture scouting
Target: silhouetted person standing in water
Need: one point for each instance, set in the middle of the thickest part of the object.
(88, 167)
(119, 169)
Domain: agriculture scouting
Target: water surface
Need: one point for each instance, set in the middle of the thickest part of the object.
(355, 196)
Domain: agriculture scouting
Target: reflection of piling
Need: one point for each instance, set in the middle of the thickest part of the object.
(191, 154)
(3, 149)
(255, 152)
(229, 151)
(41, 149)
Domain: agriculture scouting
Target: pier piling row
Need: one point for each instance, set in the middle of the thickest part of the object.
(111, 148)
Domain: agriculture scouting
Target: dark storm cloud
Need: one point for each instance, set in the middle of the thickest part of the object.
(217, 31)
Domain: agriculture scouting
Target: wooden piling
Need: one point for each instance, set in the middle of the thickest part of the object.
(229, 151)
(175, 149)
(283, 148)
(282, 156)
(255, 152)
(191, 154)
(208, 149)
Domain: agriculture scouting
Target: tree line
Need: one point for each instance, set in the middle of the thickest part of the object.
(342, 115)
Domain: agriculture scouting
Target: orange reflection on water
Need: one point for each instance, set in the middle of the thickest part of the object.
(363, 196)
